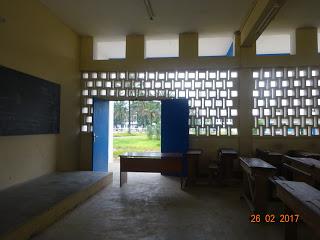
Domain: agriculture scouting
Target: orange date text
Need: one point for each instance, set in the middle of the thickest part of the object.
(274, 218)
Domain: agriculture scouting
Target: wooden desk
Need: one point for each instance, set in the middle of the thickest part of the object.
(304, 154)
(255, 182)
(274, 158)
(226, 157)
(193, 156)
(150, 162)
(301, 199)
(304, 169)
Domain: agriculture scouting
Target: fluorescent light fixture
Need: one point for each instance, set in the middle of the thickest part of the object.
(265, 19)
(149, 9)
(258, 19)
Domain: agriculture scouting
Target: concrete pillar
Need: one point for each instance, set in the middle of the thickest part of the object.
(135, 47)
(306, 41)
(86, 152)
(245, 86)
(237, 43)
(245, 117)
(110, 137)
(247, 55)
(188, 45)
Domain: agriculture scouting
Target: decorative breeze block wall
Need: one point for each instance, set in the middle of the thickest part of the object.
(286, 102)
(212, 95)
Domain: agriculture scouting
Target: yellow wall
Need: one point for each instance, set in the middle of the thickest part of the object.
(245, 60)
(36, 42)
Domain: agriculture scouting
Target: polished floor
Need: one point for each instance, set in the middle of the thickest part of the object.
(152, 206)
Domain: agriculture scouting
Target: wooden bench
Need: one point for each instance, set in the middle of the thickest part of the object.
(300, 198)
(303, 154)
(302, 169)
(256, 188)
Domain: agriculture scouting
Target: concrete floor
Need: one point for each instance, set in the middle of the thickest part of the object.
(152, 206)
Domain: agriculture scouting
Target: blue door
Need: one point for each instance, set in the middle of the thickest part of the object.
(100, 135)
(174, 126)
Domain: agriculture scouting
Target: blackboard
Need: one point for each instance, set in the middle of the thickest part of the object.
(28, 105)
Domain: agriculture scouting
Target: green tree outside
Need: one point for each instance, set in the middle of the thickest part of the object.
(143, 114)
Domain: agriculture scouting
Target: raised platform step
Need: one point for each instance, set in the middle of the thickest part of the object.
(30, 207)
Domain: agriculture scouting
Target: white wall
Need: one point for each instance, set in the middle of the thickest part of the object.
(109, 49)
(161, 48)
(276, 44)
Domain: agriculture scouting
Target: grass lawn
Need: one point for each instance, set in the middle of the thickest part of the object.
(134, 143)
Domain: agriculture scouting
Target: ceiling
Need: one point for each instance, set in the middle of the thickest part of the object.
(295, 14)
(114, 19)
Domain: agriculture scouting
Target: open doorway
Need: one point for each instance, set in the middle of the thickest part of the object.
(141, 126)
(136, 128)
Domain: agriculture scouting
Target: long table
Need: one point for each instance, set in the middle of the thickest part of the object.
(255, 182)
(156, 162)
(301, 199)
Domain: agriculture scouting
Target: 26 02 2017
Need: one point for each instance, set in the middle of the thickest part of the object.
(274, 218)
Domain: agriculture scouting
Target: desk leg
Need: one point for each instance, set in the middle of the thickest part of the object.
(229, 167)
(193, 170)
(246, 185)
(260, 200)
(123, 178)
(183, 181)
(246, 190)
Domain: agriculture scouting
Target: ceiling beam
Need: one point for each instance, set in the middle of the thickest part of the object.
(260, 16)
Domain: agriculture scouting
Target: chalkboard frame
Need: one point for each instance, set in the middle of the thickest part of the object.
(29, 105)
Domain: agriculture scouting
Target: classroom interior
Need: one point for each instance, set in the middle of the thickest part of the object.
(239, 86)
